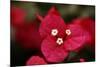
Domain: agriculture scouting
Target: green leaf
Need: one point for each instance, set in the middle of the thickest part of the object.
(71, 55)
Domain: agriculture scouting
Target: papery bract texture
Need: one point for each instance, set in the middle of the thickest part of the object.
(88, 25)
(77, 38)
(51, 21)
(57, 51)
(53, 52)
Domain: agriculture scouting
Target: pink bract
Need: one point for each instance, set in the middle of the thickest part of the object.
(28, 36)
(50, 48)
(51, 21)
(82, 60)
(36, 60)
(53, 52)
(88, 24)
(18, 16)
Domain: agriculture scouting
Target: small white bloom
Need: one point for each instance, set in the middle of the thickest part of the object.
(59, 41)
(68, 32)
(54, 32)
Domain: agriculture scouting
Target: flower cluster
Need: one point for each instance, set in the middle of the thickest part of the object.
(53, 37)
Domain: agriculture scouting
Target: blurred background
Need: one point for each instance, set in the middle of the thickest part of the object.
(68, 12)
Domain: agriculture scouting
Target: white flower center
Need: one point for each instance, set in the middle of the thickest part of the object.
(59, 41)
(68, 32)
(54, 32)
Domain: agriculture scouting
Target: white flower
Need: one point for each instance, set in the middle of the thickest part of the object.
(59, 41)
(68, 32)
(54, 32)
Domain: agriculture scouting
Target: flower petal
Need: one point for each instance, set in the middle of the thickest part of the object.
(74, 43)
(52, 51)
(36, 60)
(87, 24)
(77, 38)
(52, 21)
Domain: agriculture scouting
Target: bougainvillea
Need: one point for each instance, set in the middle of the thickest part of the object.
(17, 20)
(60, 38)
(28, 36)
(26, 32)
(36, 60)
(82, 60)
(88, 25)
(52, 38)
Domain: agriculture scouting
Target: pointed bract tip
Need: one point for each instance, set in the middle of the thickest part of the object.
(39, 17)
(53, 10)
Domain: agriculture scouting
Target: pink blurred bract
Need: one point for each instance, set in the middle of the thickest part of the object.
(18, 16)
(28, 36)
(88, 24)
(36, 60)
